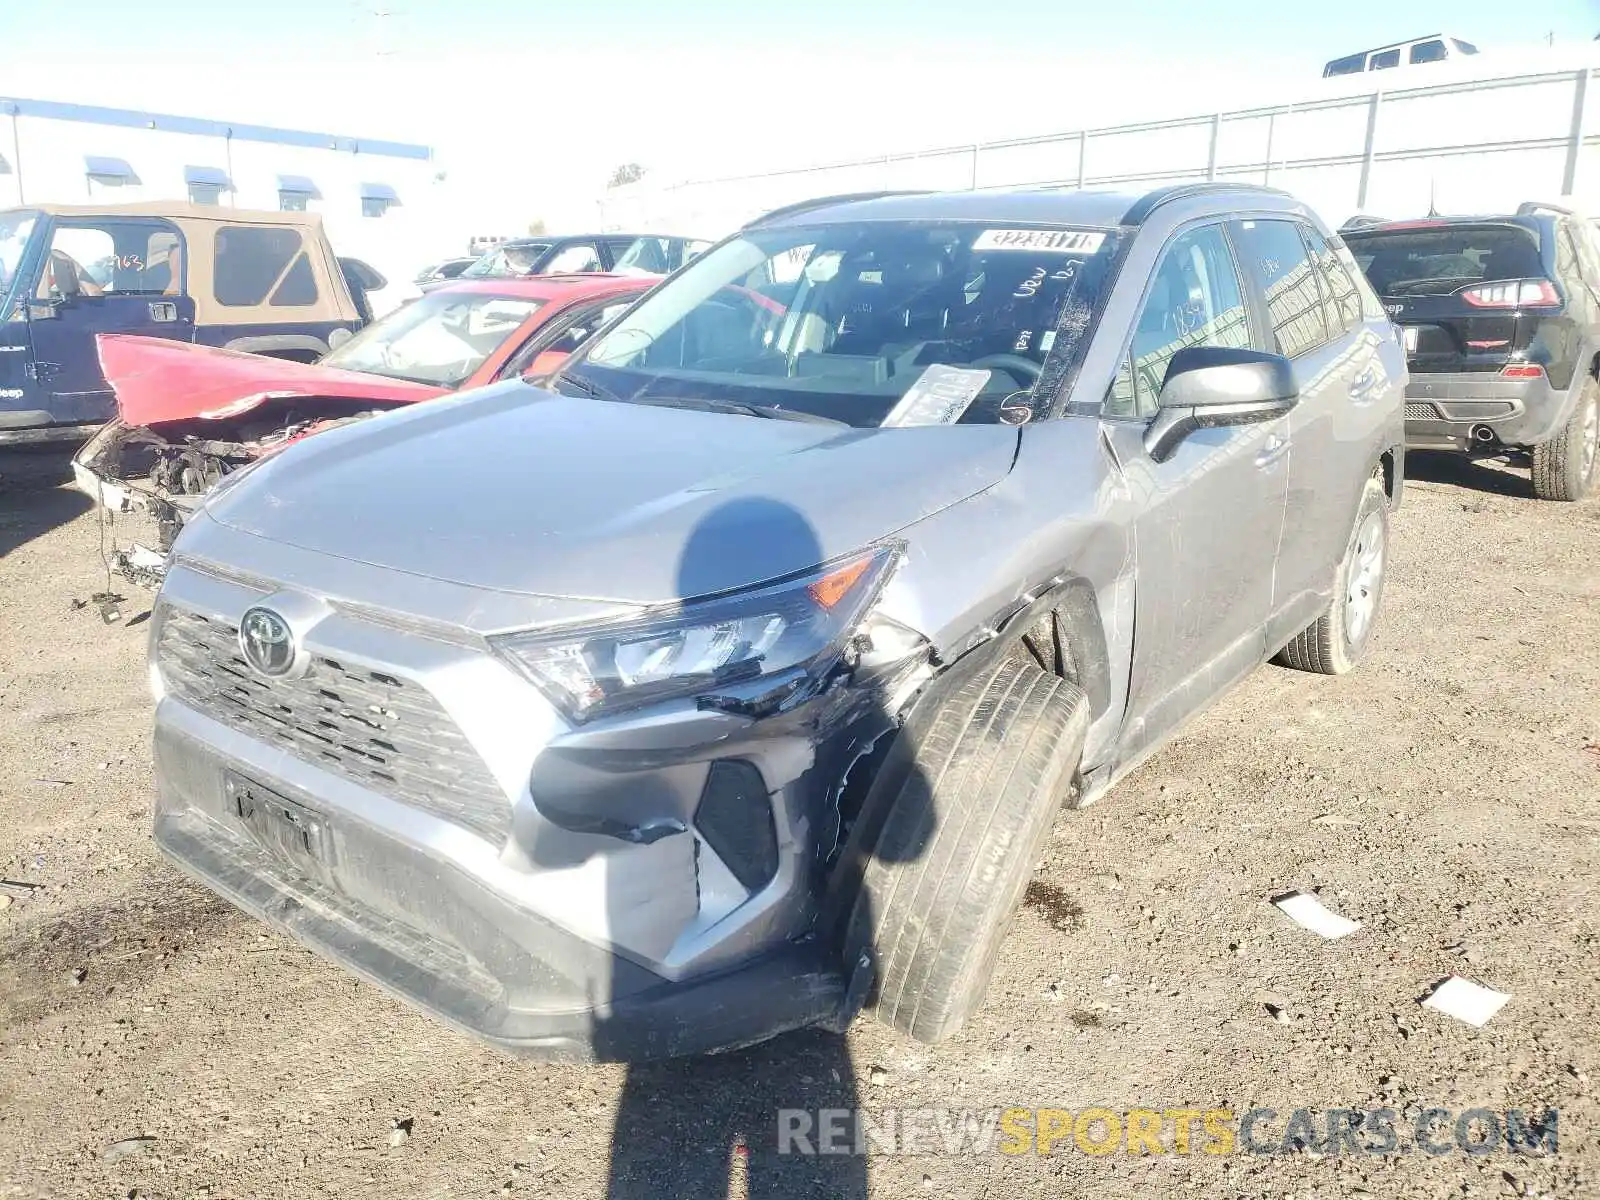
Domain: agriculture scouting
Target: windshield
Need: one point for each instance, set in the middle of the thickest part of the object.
(15, 228)
(1434, 261)
(870, 323)
(506, 262)
(440, 339)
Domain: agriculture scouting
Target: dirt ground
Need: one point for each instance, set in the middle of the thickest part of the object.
(1446, 795)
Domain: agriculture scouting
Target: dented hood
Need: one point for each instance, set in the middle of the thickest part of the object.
(157, 380)
(520, 490)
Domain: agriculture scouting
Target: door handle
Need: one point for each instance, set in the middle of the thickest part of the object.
(1272, 450)
(163, 311)
(1364, 385)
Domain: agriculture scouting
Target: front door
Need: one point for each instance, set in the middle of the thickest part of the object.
(1210, 517)
(112, 275)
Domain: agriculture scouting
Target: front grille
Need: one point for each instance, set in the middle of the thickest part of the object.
(1421, 412)
(382, 732)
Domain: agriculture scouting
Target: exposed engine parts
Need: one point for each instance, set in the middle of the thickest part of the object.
(163, 472)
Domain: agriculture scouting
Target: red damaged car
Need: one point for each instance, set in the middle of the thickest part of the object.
(188, 415)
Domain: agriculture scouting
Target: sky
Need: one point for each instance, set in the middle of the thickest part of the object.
(531, 104)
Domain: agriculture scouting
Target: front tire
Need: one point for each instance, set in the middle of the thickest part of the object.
(1564, 468)
(968, 797)
(1335, 641)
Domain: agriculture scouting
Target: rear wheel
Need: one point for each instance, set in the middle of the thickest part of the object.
(1564, 468)
(1335, 641)
(966, 799)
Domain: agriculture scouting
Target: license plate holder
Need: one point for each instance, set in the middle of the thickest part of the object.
(1410, 334)
(287, 829)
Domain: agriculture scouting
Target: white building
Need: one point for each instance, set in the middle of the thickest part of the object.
(380, 200)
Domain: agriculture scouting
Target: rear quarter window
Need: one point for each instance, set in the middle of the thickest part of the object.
(250, 262)
(1437, 261)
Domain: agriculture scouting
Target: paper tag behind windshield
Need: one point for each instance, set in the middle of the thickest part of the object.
(1053, 241)
(938, 397)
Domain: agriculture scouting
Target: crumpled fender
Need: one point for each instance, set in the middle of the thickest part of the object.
(158, 379)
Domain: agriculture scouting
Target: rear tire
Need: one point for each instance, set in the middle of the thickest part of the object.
(967, 799)
(1335, 641)
(1564, 468)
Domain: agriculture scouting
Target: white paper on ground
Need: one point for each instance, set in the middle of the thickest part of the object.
(1466, 1001)
(1305, 909)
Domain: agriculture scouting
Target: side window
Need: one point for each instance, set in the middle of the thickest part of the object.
(1384, 60)
(133, 258)
(1426, 52)
(577, 333)
(1276, 263)
(299, 285)
(1193, 300)
(1340, 293)
(1588, 253)
(574, 259)
(251, 260)
(1566, 253)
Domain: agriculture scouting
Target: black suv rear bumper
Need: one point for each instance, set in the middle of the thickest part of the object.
(1443, 410)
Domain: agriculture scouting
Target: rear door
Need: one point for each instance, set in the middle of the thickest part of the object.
(1312, 312)
(121, 275)
(1467, 295)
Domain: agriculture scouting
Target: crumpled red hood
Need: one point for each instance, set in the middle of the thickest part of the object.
(157, 379)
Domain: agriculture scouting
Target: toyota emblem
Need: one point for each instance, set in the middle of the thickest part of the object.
(267, 642)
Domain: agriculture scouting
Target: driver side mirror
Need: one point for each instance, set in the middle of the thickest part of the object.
(1210, 387)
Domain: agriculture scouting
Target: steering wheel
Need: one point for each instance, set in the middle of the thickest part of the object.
(1015, 365)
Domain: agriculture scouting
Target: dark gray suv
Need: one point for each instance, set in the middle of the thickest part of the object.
(731, 681)
(1500, 317)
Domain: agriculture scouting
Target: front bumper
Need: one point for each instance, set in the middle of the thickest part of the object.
(152, 519)
(475, 961)
(586, 907)
(1442, 410)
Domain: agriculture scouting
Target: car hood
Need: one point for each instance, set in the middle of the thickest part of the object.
(517, 489)
(158, 380)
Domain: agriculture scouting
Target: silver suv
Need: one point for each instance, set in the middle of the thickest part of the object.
(731, 681)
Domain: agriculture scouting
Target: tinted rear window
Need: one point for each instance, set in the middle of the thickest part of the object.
(1438, 261)
(250, 260)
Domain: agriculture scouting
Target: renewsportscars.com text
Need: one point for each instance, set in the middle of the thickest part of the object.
(1213, 1131)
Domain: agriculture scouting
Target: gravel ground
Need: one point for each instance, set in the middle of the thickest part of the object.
(1447, 796)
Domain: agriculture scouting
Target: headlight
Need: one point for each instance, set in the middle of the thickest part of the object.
(802, 623)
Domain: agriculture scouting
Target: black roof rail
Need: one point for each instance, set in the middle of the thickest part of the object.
(1529, 207)
(826, 202)
(1150, 201)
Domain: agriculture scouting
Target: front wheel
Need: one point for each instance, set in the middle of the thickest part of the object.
(1564, 467)
(1335, 641)
(970, 792)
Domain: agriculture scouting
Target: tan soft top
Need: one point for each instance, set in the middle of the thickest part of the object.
(198, 223)
(178, 211)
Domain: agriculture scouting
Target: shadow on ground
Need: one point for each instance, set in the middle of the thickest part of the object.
(34, 496)
(693, 1128)
(1492, 475)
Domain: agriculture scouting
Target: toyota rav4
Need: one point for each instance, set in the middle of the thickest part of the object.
(731, 681)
